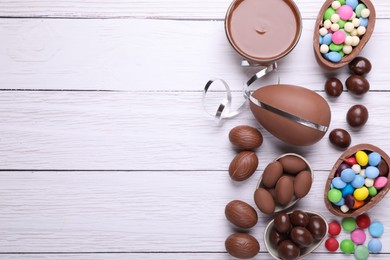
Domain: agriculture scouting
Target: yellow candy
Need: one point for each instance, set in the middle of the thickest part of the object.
(361, 193)
(361, 158)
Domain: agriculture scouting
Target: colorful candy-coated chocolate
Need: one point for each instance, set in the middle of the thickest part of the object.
(333, 56)
(340, 202)
(328, 13)
(376, 229)
(350, 161)
(352, 3)
(338, 183)
(361, 252)
(374, 159)
(372, 191)
(358, 204)
(359, 8)
(356, 168)
(380, 182)
(375, 246)
(358, 236)
(339, 37)
(327, 39)
(360, 193)
(349, 201)
(342, 167)
(334, 195)
(331, 244)
(361, 158)
(363, 21)
(345, 12)
(347, 190)
(334, 228)
(368, 182)
(347, 246)
(344, 208)
(372, 172)
(363, 221)
(358, 181)
(348, 175)
(349, 224)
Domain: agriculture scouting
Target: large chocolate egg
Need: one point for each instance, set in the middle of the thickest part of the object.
(294, 114)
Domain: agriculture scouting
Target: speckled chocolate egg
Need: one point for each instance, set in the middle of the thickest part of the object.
(275, 108)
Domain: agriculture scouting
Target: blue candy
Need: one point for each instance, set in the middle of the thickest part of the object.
(352, 3)
(358, 181)
(338, 183)
(371, 172)
(363, 21)
(348, 190)
(376, 229)
(374, 159)
(333, 56)
(327, 39)
(320, 40)
(347, 175)
(375, 245)
(340, 203)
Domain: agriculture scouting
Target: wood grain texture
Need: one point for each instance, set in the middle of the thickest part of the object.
(170, 9)
(151, 55)
(133, 211)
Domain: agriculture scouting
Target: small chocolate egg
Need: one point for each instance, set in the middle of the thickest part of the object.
(243, 165)
(360, 66)
(340, 138)
(292, 164)
(302, 184)
(357, 115)
(284, 190)
(282, 222)
(299, 218)
(241, 214)
(242, 245)
(272, 173)
(275, 237)
(245, 137)
(287, 250)
(357, 84)
(317, 227)
(333, 87)
(264, 201)
(301, 236)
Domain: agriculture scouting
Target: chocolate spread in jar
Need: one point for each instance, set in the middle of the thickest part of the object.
(263, 30)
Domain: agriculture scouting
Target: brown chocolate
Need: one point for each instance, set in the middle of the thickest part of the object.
(292, 164)
(263, 31)
(340, 138)
(245, 137)
(302, 184)
(356, 50)
(282, 222)
(272, 173)
(284, 190)
(317, 227)
(357, 84)
(333, 87)
(264, 201)
(360, 66)
(241, 214)
(301, 236)
(243, 165)
(370, 202)
(242, 245)
(299, 218)
(357, 115)
(288, 250)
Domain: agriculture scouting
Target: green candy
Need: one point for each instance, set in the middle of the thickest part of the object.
(341, 23)
(361, 252)
(336, 47)
(372, 191)
(359, 8)
(328, 13)
(342, 2)
(334, 195)
(342, 54)
(349, 224)
(347, 246)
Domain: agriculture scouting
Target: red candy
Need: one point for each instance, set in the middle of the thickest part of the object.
(331, 244)
(350, 161)
(334, 228)
(363, 221)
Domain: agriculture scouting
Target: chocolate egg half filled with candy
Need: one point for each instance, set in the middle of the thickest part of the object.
(294, 114)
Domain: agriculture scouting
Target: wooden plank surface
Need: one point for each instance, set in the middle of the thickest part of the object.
(150, 55)
(168, 9)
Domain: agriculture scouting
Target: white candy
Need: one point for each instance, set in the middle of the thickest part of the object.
(327, 24)
(348, 40)
(347, 49)
(335, 27)
(356, 22)
(353, 16)
(349, 27)
(369, 182)
(365, 13)
(361, 30)
(323, 31)
(354, 32)
(324, 48)
(355, 40)
(363, 173)
(356, 167)
(336, 5)
(335, 18)
(344, 208)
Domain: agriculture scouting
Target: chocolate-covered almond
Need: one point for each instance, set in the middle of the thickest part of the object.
(301, 236)
(243, 165)
(241, 214)
(340, 138)
(272, 173)
(357, 115)
(292, 164)
(302, 184)
(245, 137)
(333, 87)
(264, 201)
(357, 84)
(242, 245)
(360, 66)
(284, 190)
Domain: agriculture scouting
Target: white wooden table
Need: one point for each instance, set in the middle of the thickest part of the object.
(105, 150)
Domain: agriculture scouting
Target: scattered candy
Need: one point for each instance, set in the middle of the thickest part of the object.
(376, 229)
(331, 244)
(358, 236)
(361, 252)
(334, 228)
(375, 246)
(347, 246)
(349, 224)
(363, 221)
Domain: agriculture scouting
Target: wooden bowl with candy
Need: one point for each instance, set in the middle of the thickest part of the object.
(339, 38)
(358, 181)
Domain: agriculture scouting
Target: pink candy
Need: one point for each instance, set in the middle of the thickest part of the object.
(338, 37)
(358, 236)
(380, 182)
(345, 12)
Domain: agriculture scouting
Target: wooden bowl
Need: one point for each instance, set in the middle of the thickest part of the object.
(305, 251)
(370, 202)
(324, 63)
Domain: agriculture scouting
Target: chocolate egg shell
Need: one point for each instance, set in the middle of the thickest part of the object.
(241, 214)
(356, 50)
(306, 123)
(370, 203)
(242, 245)
(264, 201)
(245, 137)
(243, 165)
